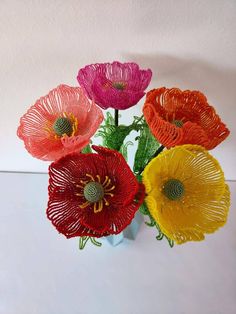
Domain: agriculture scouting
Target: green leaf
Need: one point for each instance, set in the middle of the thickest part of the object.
(171, 242)
(124, 149)
(83, 241)
(161, 235)
(147, 146)
(153, 223)
(95, 242)
(113, 136)
(116, 138)
(143, 209)
(87, 149)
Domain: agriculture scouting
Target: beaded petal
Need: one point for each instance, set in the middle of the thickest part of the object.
(75, 211)
(204, 202)
(114, 85)
(59, 123)
(178, 117)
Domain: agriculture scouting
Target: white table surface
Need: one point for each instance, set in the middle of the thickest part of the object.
(41, 272)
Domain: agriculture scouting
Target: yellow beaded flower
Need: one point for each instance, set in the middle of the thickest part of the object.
(186, 193)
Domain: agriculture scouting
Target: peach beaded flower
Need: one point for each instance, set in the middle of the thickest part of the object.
(59, 123)
(178, 117)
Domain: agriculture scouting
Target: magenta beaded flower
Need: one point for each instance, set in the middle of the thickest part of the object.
(114, 85)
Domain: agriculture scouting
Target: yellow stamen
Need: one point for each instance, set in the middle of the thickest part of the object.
(79, 194)
(110, 189)
(74, 126)
(74, 121)
(95, 207)
(79, 186)
(46, 128)
(109, 194)
(106, 202)
(107, 184)
(84, 182)
(90, 176)
(106, 178)
(84, 205)
(100, 206)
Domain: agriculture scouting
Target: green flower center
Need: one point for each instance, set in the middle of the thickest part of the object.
(178, 123)
(173, 189)
(119, 85)
(93, 192)
(63, 126)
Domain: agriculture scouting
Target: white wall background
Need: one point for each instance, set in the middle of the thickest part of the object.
(187, 44)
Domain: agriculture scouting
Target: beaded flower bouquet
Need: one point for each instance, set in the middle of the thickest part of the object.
(93, 192)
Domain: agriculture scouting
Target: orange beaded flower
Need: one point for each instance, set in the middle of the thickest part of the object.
(178, 117)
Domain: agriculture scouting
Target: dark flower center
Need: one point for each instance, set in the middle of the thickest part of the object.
(178, 123)
(63, 126)
(173, 189)
(119, 85)
(93, 192)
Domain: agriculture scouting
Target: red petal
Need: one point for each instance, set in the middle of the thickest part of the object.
(126, 184)
(113, 219)
(64, 204)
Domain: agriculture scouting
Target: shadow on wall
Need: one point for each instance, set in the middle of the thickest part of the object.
(217, 83)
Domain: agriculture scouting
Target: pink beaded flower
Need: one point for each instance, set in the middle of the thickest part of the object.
(59, 123)
(114, 85)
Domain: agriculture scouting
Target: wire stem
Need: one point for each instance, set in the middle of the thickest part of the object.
(116, 117)
(160, 149)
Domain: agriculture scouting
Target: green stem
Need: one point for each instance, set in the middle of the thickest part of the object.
(82, 242)
(116, 117)
(159, 150)
(138, 120)
(95, 242)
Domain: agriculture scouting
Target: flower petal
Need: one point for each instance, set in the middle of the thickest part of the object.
(126, 184)
(203, 208)
(181, 223)
(201, 124)
(116, 217)
(67, 208)
(36, 126)
(97, 80)
(64, 203)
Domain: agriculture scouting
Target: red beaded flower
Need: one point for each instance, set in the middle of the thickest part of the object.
(92, 194)
(114, 85)
(178, 117)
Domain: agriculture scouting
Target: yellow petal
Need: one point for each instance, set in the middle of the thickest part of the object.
(204, 206)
